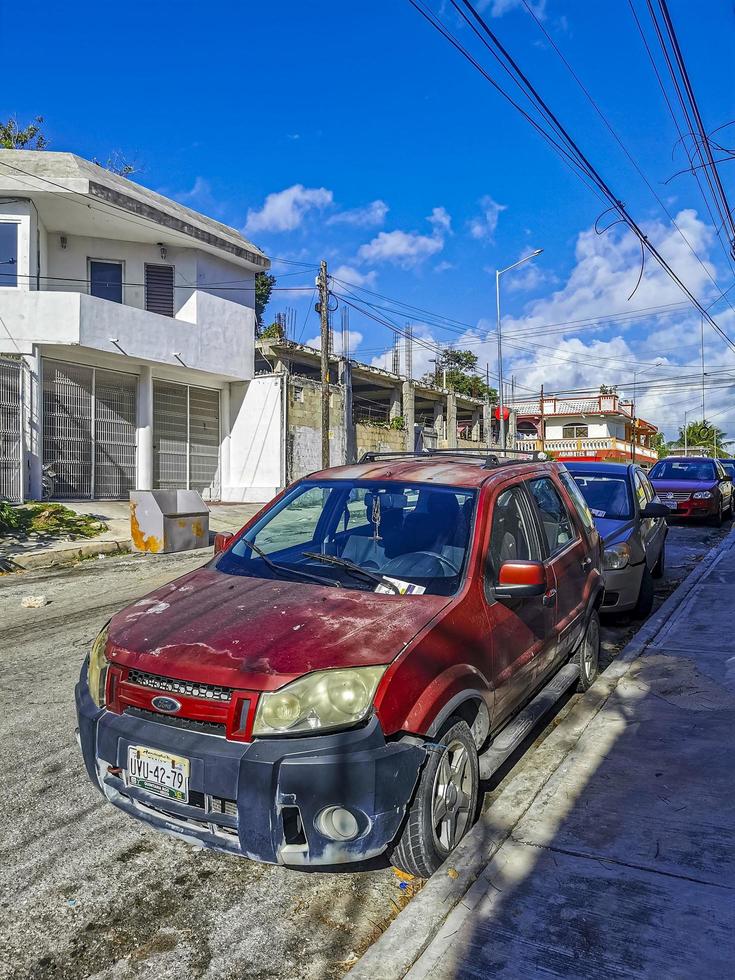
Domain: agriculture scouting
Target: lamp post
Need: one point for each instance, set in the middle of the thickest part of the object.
(657, 363)
(498, 274)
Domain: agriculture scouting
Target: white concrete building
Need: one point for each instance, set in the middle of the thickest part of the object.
(127, 331)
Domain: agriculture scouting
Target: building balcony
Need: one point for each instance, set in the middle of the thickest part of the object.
(589, 448)
(210, 333)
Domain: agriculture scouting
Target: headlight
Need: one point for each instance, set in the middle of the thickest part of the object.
(702, 495)
(324, 699)
(97, 669)
(616, 556)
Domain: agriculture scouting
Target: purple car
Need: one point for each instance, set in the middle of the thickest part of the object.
(693, 486)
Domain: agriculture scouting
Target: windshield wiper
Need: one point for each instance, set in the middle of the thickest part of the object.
(350, 566)
(283, 569)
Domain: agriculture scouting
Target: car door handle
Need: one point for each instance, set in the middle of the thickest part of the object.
(549, 597)
(585, 563)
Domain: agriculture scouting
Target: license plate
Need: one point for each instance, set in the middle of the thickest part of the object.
(158, 772)
(672, 504)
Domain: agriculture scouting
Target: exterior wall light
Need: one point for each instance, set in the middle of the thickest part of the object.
(164, 250)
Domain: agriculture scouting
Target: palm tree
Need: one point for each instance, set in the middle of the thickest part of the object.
(702, 434)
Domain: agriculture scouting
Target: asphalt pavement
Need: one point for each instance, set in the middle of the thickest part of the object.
(87, 892)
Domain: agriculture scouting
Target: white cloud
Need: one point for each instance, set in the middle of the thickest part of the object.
(500, 7)
(443, 266)
(365, 217)
(354, 277)
(285, 210)
(441, 221)
(405, 248)
(484, 224)
(355, 338)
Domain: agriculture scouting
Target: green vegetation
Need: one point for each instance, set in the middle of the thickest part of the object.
(461, 372)
(12, 137)
(702, 434)
(264, 283)
(48, 521)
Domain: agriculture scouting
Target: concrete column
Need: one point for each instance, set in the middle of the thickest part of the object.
(487, 416)
(409, 417)
(145, 429)
(451, 420)
(512, 428)
(394, 410)
(344, 368)
(439, 420)
(476, 416)
(225, 429)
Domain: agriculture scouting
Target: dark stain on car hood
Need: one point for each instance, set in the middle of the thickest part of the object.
(260, 633)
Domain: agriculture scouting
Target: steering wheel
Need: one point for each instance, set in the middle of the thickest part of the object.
(401, 560)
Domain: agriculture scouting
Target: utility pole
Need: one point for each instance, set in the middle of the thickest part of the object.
(323, 286)
(702, 325)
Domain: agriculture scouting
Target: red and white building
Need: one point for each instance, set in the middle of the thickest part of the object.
(600, 427)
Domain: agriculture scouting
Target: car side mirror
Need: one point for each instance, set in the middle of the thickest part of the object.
(519, 579)
(222, 540)
(653, 509)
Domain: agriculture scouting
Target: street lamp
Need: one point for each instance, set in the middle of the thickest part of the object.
(657, 363)
(498, 274)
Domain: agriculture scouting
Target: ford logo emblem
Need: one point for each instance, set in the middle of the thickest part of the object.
(169, 705)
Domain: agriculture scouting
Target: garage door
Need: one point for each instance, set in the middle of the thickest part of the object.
(89, 430)
(186, 438)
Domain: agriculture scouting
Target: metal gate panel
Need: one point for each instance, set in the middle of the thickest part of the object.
(11, 431)
(67, 427)
(186, 438)
(170, 436)
(114, 434)
(204, 440)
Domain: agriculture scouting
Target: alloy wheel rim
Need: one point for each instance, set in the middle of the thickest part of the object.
(591, 649)
(451, 797)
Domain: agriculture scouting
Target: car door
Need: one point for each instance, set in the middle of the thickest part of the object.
(725, 484)
(652, 529)
(519, 630)
(569, 558)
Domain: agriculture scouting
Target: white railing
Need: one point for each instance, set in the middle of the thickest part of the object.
(586, 447)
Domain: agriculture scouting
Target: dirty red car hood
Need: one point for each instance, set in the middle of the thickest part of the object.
(260, 633)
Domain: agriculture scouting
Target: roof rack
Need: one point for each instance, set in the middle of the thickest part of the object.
(489, 458)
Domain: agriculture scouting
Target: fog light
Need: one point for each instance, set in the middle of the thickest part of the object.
(337, 823)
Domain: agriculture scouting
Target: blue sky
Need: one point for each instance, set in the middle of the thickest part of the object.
(352, 131)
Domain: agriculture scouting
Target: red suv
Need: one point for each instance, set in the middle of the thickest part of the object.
(336, 681)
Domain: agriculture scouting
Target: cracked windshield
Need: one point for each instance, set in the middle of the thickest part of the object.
(386, 537)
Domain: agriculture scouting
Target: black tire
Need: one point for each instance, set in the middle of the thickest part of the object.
(716, 520)
(659, 569)
(420, 850)
(587, 656)
(644, 605)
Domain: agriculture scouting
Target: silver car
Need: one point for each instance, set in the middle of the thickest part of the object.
(632, 524)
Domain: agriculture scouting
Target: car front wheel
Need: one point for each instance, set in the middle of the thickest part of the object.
(444, 805)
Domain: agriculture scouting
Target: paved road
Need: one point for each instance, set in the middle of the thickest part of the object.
(89, 892)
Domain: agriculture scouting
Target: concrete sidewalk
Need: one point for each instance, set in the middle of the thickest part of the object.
(615, 856)
(37, 553)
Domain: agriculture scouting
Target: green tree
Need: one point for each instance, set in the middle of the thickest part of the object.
(659, 444)
(12, 137)
(264, 283)
(461, 371)
(702, 433)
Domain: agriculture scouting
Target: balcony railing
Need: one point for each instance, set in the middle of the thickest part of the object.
(588, 447)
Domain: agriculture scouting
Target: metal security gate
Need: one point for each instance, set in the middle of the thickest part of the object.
(186, 438)
(89, 430)
(11, 431)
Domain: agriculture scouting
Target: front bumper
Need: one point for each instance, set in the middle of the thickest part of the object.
(622, 586)
(259, 799)
(696, 508)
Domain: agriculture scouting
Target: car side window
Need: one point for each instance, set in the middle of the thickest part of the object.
(513, 535)
(647, 488)
(580, 504)
(555, 519)
(640, 491)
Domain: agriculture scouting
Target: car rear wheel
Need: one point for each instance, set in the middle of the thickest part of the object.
(587, 656)
(444, 805)
(645, 595)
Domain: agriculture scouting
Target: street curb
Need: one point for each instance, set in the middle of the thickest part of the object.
(408, 936)
(64, 556)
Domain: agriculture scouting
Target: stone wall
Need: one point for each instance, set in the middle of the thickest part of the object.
(304, 437)
(377, 439)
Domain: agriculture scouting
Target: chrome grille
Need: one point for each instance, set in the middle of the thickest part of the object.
(209, 692)
(677, 495)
